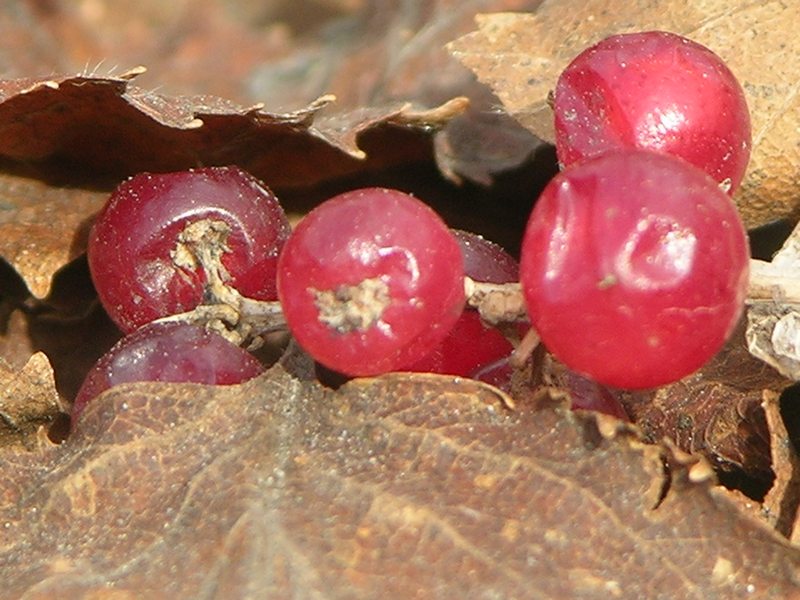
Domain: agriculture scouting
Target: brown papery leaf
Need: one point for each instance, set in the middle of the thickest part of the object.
(111, 127)
(716, 412)
(28, 402)
(521, 55)
(283, 53)
(395, 487)
(43, 227)
(782, 502)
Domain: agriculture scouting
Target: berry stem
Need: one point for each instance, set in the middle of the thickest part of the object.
(496, 302)
(773, 281)
(224, 310)
(244, 320)
(777, 280)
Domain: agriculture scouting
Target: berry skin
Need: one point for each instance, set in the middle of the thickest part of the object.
(587, 394)
(370, 281)
(656, 91)
(468, 347)
(139, 268)
(174, 352)
(471, 345)
(634, 268)
(484, 260)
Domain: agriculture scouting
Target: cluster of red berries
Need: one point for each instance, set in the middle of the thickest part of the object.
(370, 281)
(633, 266)
(635, 261)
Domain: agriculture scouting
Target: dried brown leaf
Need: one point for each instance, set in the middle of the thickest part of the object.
(370, 54)
(716, 412)
(388, 53)
(521, 55)
(781, 503)
(28, 402)
(395, 487)
(106, 125)
(43, 227)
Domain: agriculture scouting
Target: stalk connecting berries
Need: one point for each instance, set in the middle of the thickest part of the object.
(471, 344)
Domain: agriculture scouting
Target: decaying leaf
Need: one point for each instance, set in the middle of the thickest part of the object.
(43, 227)
(386, 53)
(521, 55)
(716, 412)
(28, 402)
(780, 507)
(284, 54)
(84, 120)
(392, 487)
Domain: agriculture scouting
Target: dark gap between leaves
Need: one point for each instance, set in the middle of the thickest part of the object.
(736, 479)
(499, 212)
(790, 413)
(766, 240)
(666, 484)
(13, 291)
(59, 428)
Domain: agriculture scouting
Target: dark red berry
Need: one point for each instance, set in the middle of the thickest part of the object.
(471, 344)
(171, 352)
(141, 268)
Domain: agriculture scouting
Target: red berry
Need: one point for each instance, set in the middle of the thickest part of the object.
(634, 268)
(587, 394)
(498, 373)
(656, 91)
(173, 352)
(471, 345)
(484, 260)
(467, 348)
(370, 281)
(134, 242)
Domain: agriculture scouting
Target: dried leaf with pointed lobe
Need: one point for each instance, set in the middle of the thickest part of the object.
(43, 227)
(28, 403)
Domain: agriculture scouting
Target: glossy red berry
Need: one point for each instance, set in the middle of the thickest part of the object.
(471, 344)
(138, 265)
(634, 268)
(370, 281)
(657, 91)
(170, 352)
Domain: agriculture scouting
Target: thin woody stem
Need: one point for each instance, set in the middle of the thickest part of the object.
(771, 282)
